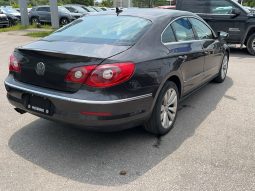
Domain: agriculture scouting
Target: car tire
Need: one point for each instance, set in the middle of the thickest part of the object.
(251, 44)
(63, 21)
(165, 110)
(223, 70)
(35, 20)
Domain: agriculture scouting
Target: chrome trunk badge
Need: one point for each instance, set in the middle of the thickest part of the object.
(40, 68)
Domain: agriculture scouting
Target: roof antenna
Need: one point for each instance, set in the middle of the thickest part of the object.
(118, 11)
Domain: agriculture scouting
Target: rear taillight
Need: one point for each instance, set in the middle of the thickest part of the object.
(14, 65)
(79, 74)
(105, 75)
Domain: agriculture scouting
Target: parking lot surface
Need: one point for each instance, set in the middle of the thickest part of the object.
(212, 146)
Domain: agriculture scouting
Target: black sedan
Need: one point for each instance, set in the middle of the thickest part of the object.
(114, 71)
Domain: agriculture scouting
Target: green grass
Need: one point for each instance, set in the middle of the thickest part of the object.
(39, 34)
(20, 27)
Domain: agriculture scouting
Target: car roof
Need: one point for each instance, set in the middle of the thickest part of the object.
(149, 13)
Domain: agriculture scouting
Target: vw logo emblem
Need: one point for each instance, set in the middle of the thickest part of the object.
(40, 68)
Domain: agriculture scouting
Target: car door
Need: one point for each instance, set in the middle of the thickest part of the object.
(188, 52)
(221, 18)
(44, 14)
(47, 14)
(211, 47)
(41, 12)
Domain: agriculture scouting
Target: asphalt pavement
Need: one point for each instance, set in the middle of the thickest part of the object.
(211, 147)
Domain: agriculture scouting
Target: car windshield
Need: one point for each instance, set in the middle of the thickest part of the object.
(9, 10)
(63, 9)
(81, 10)
(109, 29)
(97, 9)
(90, 9)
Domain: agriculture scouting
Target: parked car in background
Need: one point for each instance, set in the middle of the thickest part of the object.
(28, 9)
(252, 10)
(4, 22)
(12, 14)
(104, 8)
(89, 9)
(41, 14)
(166, 7)
(97, 9)
(111, 72)
(225, 15)
(86, 8)
(76, 10)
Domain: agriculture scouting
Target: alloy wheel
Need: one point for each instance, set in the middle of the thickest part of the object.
(253, 44)
(34, 21)
(168, 108)
(64, 21)
(224, 67)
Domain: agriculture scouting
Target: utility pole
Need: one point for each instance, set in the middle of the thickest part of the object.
(23, 12)
(54, 14)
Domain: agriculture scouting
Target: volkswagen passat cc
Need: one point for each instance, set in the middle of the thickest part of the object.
(114, 71)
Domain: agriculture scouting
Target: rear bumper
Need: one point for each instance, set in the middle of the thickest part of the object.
(125, 113)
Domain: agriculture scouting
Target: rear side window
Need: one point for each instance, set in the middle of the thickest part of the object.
(71, 9)
(195, 6)
(203, 31)
(109, 29)
(220, 7)
(168, 35)
(47, 9)
(183, 30)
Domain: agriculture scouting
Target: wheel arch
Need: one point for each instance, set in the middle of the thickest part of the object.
(249, 32)
(227, 49)
(63, 17)
(174, 77)
(34, 16)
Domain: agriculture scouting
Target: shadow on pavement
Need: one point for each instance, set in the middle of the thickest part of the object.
(98, 158)
(240, 53)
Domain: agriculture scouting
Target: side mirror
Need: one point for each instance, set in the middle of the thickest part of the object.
(222, 35)
(235, 12)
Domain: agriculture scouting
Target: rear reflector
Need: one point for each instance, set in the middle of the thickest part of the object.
(96, 113)
(101, 76)
(14, 65)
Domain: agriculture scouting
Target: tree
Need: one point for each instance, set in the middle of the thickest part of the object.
(4, 2)
(83, 2)
(107, 3)
(250, 3)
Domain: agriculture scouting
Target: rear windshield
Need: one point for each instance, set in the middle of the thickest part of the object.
(103, 29)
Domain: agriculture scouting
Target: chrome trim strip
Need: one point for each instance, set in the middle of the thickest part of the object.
(78, 100)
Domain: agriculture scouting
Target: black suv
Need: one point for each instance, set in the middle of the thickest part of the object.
(225, 15)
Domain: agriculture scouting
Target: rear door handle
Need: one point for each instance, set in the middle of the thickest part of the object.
(183, 58)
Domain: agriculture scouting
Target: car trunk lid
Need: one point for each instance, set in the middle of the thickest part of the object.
(57, 59)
